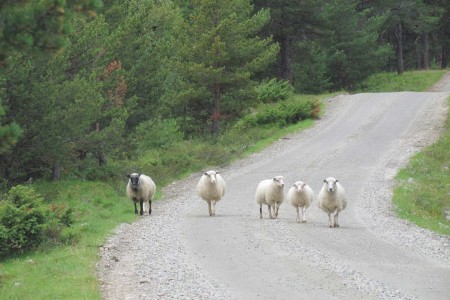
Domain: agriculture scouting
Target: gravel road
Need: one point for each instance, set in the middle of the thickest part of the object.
(179, 252)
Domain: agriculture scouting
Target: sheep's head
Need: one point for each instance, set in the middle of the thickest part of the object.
(134, 180)
(211, 176)
(299, 186)
(279, 181)
(330, 182)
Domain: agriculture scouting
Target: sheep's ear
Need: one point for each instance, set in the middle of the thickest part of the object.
(128, 175)
(205, 174)
(337, 180)
(304, 184)
(274, 179)
(217, 172)
(325, 180)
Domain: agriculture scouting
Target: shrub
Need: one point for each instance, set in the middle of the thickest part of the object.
(26, 222)
(282, 113)
(274, 90)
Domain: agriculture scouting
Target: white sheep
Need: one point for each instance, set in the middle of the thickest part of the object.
(300, 195)
(271, 193)
(332, 200)
(211, 188)
(141, 188)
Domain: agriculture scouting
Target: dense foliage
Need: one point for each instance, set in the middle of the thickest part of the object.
(27, 222)
(97, 85)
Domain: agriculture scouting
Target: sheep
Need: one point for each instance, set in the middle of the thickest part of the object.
(211, 188)
(300, 195)
(141, 188)
(270, 192)
(332, 200)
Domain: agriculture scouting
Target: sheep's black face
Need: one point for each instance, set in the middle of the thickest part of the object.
(134, 180)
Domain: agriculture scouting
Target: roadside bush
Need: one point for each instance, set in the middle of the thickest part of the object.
(26, 222)
(282, 113)
(274, 90)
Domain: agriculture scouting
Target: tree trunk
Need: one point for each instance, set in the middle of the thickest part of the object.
(215, 118)
(286, 63)
(399, 36)
(56, 172)
(425, 53)
(101, 154)
(419, 54)
(444, 60)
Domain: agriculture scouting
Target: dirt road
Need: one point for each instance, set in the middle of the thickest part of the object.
(180, 252)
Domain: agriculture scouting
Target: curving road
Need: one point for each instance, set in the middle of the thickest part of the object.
(180, 252)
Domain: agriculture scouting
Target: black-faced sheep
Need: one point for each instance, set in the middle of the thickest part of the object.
(332, 200)
(211, 188)
(141, 188)
(300, 196)
(271, 193)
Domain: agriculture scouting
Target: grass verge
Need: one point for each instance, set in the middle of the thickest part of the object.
(414, 81)
(422, 193)
(68, 271)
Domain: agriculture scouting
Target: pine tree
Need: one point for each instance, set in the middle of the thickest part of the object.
(219, 53)
(36, 28)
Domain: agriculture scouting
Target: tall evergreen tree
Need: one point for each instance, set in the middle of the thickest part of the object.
(406, 18)
(35, 27)
(353, 51)
(291, 21)
(70, 105)
(219, 53)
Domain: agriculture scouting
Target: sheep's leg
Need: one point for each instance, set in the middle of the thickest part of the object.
(329, 220)
(141, 203)
(274, 211)
(150, 207)
(270, 211)
(209, 208)
(277, 206)
(298, 215)
(303, 214)
(336, 217)
(135, 207)
(213, 208)
(260, 211)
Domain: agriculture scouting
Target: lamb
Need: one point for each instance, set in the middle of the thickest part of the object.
(211, 188)
(271, 193)
(300, 195)
(141, 188)
(332, 200)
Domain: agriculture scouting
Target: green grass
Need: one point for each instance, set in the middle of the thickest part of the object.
(68, 271)
(422, 194)
(414, 81)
